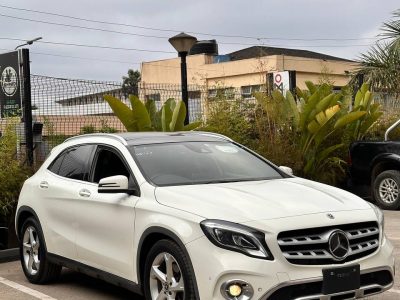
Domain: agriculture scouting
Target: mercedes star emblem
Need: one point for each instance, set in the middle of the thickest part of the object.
(339, 245)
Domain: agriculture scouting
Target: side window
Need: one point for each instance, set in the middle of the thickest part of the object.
(73, 163)
(108, 164)
(55, 165)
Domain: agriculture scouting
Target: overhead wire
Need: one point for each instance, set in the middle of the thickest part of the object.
(152, 63)
(88, 45)
(176, 31)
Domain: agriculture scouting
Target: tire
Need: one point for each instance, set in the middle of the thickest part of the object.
(159, 254)
(386, 189)
(33, 255)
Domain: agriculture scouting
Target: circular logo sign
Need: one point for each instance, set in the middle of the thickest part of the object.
(9, 81)
(339, 245)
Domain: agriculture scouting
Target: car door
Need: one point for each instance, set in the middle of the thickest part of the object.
(61, 189)
(105, 222)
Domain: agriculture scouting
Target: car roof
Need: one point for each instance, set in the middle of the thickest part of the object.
(145, 138)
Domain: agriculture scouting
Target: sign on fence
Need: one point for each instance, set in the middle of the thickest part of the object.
(10, 85)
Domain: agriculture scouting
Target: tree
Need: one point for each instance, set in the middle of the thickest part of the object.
(130, 83)
(381, 67)
(381, 64)
(391, 30)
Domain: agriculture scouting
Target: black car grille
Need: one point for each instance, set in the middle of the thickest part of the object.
(311, 246)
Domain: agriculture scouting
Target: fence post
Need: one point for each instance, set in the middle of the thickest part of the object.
(25, 74)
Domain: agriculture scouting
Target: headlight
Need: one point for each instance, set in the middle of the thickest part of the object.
(381, 219)
(236, 237)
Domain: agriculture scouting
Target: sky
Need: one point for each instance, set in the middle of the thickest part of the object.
(351, 26)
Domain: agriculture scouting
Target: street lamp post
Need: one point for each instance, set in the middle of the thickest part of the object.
(30, 42)
(182, 44)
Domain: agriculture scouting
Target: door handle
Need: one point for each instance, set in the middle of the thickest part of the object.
(44, 185)
(84, 193)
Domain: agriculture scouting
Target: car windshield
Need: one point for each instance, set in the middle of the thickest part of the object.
(200, 163)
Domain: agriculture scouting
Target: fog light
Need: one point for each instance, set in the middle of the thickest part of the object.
(234, 290)
(237, 290)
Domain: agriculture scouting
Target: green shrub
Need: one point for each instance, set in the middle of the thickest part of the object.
(377, 131)
(311, 135)
(12, 173)
(234, 119)
(106, 128)
(319, 128)
(88, 129)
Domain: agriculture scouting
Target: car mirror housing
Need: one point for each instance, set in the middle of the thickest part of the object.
(286, 170)
(115, 184)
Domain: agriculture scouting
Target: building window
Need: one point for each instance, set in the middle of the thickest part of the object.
(226, 93)
(155, 97)
(194, 94)
(249, 90)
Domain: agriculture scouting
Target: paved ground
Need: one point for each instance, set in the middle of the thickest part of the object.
(75, 286)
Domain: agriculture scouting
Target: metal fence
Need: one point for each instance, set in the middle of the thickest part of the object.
(390, 104)
(66, 107)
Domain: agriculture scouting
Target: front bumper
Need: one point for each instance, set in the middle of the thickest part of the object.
(272, 279)
(280, 279)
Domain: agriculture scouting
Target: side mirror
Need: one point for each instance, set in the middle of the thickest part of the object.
(286, 170)
(114, 184)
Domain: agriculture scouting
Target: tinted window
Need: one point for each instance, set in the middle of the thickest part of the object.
(55, 166)
(200, 162)
(108, 164)
(73, 163)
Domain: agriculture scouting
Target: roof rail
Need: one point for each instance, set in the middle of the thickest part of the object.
(212, 134)
(109, 135)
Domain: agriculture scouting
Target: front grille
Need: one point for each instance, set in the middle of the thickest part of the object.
(311, 246)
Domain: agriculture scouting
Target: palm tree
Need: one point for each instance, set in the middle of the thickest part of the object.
(381, 67)
(391, 30)
(381, 64)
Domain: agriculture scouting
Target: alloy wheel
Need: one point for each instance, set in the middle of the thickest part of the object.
(166, 279)
(31, 245)
(388, 190)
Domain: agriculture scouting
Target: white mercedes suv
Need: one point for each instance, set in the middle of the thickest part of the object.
(194, 215)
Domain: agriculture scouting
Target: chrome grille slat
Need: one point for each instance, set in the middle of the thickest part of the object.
(301, 247)
(359, 234)
(302, 255)
(369, 245)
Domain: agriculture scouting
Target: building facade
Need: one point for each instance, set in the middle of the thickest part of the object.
(247, 69)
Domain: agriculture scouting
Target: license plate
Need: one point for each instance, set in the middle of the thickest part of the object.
(341, 279)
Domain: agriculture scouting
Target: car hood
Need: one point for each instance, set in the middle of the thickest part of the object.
(258, 200)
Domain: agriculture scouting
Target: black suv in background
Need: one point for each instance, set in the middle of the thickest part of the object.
(376, 165)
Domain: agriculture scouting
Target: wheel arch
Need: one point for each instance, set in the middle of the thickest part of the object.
(23, 213)
(384, 162)
(149, 237)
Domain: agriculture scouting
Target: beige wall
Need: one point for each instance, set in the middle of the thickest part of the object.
(244, 72)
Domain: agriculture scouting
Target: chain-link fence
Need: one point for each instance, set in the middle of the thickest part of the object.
(62, 108)
(390, 104)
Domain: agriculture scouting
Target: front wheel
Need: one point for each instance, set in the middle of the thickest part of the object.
(387, 189)
(167, 273)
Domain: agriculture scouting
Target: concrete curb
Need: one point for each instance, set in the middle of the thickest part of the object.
(9, 255)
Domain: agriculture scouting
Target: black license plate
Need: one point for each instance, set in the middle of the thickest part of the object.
(341, 279)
